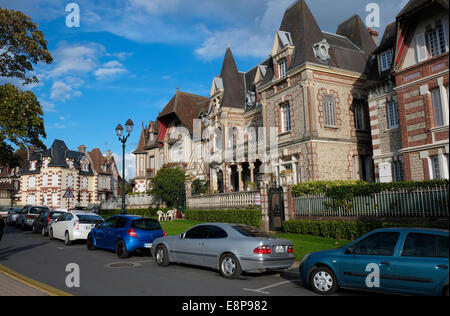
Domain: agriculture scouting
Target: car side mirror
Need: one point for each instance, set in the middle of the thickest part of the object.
(56, 221)
(183, 235)
(349, 251)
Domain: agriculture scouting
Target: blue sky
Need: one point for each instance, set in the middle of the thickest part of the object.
(128, 56)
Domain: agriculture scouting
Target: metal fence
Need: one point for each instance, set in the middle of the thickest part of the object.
(417, 203)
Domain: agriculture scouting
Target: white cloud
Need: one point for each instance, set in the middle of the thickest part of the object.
(47, 106)
(71, 59)
(130, 165)
(61, 91)
(109, 70)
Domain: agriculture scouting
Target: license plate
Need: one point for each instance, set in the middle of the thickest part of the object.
(148, 245)
(280, 249)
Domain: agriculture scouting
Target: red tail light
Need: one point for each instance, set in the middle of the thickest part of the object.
(263, 250)
(48, 218)
(291, 249)
(30, 216)
(132, 233)
(76, 225)
(164, 234)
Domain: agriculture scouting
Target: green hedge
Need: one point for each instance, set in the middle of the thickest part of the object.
(343, 229)
(337, 189)
(250, 217)
(148, 212)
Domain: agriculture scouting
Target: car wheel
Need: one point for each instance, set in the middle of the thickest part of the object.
(121, 250)
(229, 266)
(162, 256)
(23, 226)
(67, 240)
(90, 243)
(50, 234)
(43, 232)
(323, 281)
(34, 229)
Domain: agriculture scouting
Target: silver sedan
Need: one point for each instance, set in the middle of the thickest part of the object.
(229, 248)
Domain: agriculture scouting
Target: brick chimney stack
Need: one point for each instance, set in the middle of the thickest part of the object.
(374, 35)
(82, 149)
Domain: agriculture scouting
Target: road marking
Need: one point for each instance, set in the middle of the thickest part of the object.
(47, 289)
(261, 290)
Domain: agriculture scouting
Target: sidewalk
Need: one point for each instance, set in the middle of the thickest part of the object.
(13, 283)
(12, 287)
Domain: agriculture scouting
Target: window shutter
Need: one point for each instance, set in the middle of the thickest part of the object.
(421, 47)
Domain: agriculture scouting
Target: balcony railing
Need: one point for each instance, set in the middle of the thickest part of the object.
(223, 201)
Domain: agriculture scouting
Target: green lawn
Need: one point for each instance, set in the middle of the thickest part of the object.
(303, 244)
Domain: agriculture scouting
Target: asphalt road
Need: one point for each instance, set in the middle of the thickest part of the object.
(102, 273)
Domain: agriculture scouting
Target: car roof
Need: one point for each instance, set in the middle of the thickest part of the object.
(75, 212)
(414, 230)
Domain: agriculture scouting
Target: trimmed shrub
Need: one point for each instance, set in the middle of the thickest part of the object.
(250, 217)
(145, 212)
(344, 229)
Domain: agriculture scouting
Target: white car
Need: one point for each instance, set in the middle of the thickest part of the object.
(73, 226)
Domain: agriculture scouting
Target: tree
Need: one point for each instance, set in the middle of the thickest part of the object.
(21, 115)
(200, 187)
(168, 186)
(21, 46)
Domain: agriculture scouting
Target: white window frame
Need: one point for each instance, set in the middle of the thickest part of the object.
(385, 60)
(55, 179)
(438, 108)
(32, 182)
(285, 111)
(282, 68)
(436, 41)
(392, 115)
(45, 180)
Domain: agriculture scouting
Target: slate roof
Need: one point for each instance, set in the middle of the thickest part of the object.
(58, 153)
(413, 6)
(233, 82)
(355, 30)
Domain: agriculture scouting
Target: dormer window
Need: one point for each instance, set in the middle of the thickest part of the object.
(33, 165)
(322, 50)
(282, 68)
(385, 60)
(85, 166)
(436, 40)
(70, 164)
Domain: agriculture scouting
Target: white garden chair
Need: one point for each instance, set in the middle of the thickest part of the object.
(161, 216)
(170, 215)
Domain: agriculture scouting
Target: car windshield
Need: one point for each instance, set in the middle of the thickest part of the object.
(146, 224)
(250, 231)
(17, 210)
(89, 219)
(37, 210)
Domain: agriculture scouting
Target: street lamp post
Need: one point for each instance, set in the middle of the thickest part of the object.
(14, 190)
(123, 139)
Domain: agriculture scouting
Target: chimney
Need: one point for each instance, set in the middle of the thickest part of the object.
(30, 151)
(374, 35)
(82, 149)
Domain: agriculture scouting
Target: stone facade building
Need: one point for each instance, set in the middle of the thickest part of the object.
(338, 106)
(408, 95)
(48, 174)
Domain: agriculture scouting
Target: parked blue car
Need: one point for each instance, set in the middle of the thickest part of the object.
(125, 235)
(407, 261)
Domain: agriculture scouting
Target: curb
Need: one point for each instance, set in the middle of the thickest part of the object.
(44, 288)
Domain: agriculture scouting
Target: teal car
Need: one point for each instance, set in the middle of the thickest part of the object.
(395, 260)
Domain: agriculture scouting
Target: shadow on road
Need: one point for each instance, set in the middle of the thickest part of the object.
(8, 251)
